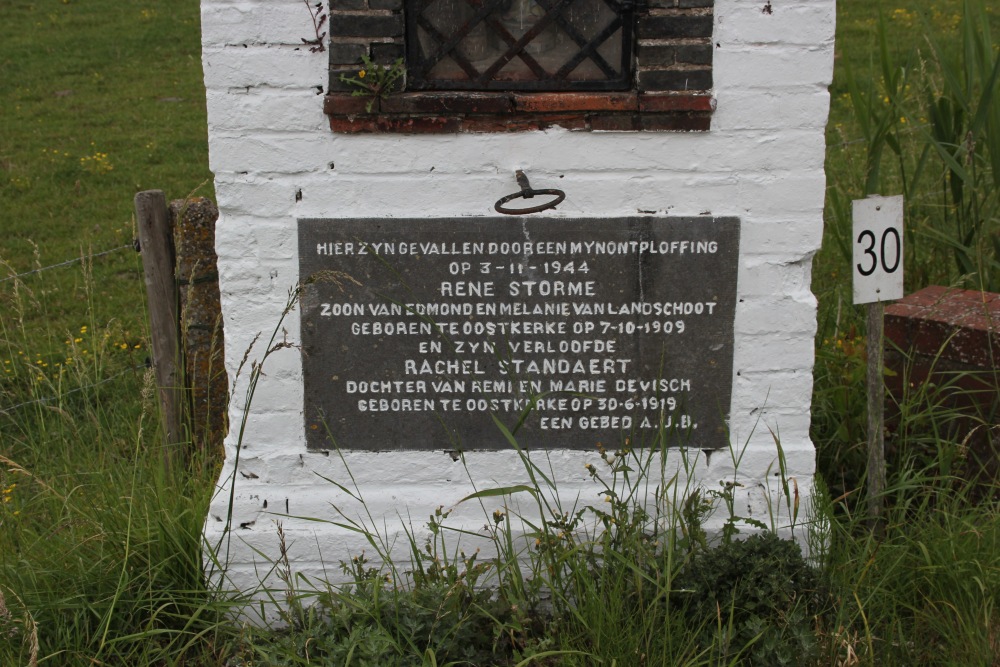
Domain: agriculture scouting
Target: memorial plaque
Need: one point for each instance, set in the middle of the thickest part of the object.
(416, 331)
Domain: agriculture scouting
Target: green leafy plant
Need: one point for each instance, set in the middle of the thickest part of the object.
(554, 580)
(760, 596)
(374, 80)
(938, 114)
(962, 106)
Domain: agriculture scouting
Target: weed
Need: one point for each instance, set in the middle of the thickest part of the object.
(575, 583)
(374, 81)
(761, 595)
(319, 16)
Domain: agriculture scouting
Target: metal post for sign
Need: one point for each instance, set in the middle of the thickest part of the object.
(878, 277)
(876, 417)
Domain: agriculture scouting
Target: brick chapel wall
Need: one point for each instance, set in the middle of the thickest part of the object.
(276, 160)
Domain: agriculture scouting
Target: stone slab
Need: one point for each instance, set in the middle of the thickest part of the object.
(417, 334)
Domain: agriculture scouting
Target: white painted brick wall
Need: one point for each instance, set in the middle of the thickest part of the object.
(762, 162)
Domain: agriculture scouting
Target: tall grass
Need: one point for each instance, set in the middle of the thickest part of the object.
(101, 546)
(626, 581)
(927, 116)
(632, 579)
(926, 593)
(928, 119)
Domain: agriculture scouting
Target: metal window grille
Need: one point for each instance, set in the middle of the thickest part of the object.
(519, 44)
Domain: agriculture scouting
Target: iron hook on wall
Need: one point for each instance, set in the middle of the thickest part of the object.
(527, 192)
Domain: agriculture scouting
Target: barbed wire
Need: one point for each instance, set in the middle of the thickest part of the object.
(49, 399)
(67, 262)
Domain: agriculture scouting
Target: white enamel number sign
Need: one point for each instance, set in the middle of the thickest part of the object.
(878, 249)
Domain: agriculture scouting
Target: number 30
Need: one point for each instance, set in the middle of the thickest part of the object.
(870, 250)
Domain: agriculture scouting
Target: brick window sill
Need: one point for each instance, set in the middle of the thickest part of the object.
(447, 112)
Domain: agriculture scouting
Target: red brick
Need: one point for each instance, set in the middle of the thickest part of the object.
(366, 25)
(667, 32)
(968, 387)
(675, 26)
(396, 124)
(679, 80)
(450, 103)
(949, 347)
(614, 122)
(925, 297)
(927, 337)
(652, 103)
(556, 102)
(345, 103)
(436, 122)
(419, 125)
(903, 311)
(572, 121)
(948, 305)
(486, 124)
(958, 325)
(676, 122)
(522, 122)
(353, 124)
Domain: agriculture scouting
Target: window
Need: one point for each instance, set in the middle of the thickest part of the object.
(519, 44)
(509, 65)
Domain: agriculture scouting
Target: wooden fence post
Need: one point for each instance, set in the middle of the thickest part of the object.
(156, 244)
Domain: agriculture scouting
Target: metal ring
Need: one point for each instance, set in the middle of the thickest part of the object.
(528, 194)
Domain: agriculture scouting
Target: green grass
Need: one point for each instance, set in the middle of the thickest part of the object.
(100, 547)
(903, 113)
(101, 100)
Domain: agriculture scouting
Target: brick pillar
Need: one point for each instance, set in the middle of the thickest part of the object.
(201, 321)
(947, 342)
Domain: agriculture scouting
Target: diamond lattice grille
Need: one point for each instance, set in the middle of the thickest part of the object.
(519, 44)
